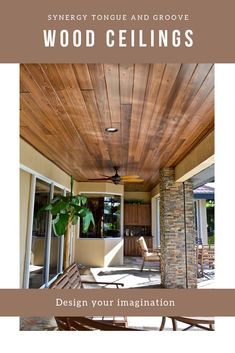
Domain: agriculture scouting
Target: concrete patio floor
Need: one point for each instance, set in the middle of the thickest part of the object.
(148, 323)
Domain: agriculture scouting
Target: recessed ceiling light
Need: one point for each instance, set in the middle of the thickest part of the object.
(111, 129)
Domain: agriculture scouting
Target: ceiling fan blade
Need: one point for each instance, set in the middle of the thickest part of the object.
(129, 177)
(99, 179)
(133, 181)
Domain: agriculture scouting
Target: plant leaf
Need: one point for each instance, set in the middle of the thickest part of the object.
(83, 200)
(60, 224)
(87, 220)
(60, 207)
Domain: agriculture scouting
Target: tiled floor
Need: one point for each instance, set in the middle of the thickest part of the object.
(150, 323)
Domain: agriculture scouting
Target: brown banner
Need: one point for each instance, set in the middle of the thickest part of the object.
(117, 31)
(141, 302)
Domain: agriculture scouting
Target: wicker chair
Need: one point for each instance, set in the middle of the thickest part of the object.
(148, 254)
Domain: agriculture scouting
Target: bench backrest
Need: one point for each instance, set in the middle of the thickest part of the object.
(69, 279)
(86, 324)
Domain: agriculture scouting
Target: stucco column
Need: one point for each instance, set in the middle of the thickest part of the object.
(178, 268)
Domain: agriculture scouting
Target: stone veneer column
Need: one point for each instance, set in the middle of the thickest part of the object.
(178, 267)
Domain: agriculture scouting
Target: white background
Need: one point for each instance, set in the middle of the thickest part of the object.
(12, 338)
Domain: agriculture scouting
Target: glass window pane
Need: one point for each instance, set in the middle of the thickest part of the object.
(40, 225)
(106, 210)
(55, 245)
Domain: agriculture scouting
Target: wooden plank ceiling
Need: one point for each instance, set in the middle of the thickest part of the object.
(161, 111)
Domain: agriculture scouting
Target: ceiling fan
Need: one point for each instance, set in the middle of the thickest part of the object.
(118, 179)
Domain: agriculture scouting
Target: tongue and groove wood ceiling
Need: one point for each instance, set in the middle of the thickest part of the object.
(161, 111)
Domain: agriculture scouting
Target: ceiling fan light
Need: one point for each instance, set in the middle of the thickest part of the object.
(111, 129)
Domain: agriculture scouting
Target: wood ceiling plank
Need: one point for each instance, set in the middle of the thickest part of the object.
(141, 73)
(83, 76)
(126, 110)
(198, 102)
(33, 111)
(47, 99)
(177, 123)
(76, 108)
(159, 122)
(49, 94)
(70, 100)
(173, 116)
(103, 147)
(126, 83)
(42, 101)
(99, 85)
(111, 72)
(152, 91)
(100, 89)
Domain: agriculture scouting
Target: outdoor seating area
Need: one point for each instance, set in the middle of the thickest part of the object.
(74, 278)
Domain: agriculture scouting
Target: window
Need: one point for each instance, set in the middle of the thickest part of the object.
(106, 210)
(39, 236)
(45, 252)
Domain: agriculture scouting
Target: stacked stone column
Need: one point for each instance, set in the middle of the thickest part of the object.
(177, 224)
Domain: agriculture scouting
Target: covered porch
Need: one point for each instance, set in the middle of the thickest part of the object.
(155, 122)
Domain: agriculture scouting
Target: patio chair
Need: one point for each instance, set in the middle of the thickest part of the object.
(205, 258)
(148, 255)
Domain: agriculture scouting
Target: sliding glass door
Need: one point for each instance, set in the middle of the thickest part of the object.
(39, 236)
(45, 252)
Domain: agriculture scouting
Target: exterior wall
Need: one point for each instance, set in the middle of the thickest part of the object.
(201, 157)
(99, 252)
(92, 187)
(34, 160)
(144, 196)
(25, 180)
(177, 217)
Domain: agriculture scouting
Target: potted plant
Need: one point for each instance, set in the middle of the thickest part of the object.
(66, 210)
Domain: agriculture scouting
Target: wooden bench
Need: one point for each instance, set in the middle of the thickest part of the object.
(88, 324)
(71, 279)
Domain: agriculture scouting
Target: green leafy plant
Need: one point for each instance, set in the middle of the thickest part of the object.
(66, 210)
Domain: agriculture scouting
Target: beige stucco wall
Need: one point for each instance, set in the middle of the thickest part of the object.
(99, 252)
(34, 160)
(200, 158)
(25, 180)
(133, 195)
(99, 187)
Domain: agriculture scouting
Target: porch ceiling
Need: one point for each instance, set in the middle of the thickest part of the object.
(161, 111)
